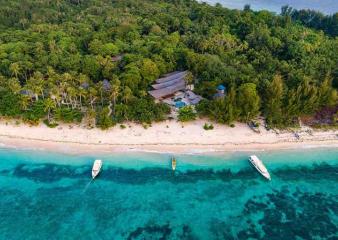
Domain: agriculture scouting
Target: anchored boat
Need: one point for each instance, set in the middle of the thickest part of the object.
(173, 163)
(259, 166)
(96, 168)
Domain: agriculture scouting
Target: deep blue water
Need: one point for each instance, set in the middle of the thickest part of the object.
(324, 6)
(137, 196)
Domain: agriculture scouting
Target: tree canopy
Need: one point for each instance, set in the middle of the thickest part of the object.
(62, 60)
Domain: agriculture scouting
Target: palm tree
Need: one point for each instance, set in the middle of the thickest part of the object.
(63, 89)
(92, 96)
(24, 102)
(114, 93)
(100, 86)
(142, 93)
(15, 69)
(14, 85)
(3, 82)
(127, 95)
(71, 93)
(40, 83)
(55, 94)
(36, 85)
(68, 78)
(189, 79)
(32, 87)
(82, 94)
(52, 46)
(82, 79)
(23, 22)
(49, 105)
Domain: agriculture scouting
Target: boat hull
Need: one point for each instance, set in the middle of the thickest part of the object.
(264, 172)
(96, 168)
(95, 174)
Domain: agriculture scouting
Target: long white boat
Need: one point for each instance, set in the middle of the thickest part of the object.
(96, 168)
(259, 166)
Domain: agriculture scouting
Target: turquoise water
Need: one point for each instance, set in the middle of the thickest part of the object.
(137, 196)
(325, 6)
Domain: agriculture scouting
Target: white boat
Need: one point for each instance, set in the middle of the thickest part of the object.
(259, 166)
(96, 168)
(173, 163)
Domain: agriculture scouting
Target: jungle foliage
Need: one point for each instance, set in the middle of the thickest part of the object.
(65, 60)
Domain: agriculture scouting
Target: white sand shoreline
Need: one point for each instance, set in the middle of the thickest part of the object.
(164, 137)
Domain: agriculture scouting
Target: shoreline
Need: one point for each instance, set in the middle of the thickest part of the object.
(164, 137)
(83, 148)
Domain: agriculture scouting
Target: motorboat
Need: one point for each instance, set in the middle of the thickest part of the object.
(96, 168)
(173, 163)
(257, 163)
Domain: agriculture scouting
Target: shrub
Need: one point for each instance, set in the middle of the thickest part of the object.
(122, 126)
(50, 125)
(104, 121)
(35, 113)
(208, 126)
(147, 111)
(9, 104)
(232, 125)
(68, 115)
(186, 114)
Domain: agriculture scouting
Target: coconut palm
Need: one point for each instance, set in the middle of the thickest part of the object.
(49, 105)
(14, 85)
(72, 94)
(35, 84)
(100, 87)
(15, 69)
(92, 96)
(25, 102)
(82, 93)
(114, 93)
(127, 95)
(68, 78)
(55, 94)
(189, 78)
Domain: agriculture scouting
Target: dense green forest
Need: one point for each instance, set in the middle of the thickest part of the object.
(313, 19)
(55, 55)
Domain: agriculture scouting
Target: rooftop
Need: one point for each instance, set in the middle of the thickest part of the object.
(169, 85)
(220, 87)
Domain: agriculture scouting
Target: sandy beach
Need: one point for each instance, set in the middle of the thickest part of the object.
(168, 136)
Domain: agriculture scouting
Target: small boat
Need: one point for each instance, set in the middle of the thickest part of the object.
(259, 166)
(173, 163)
(96, 168)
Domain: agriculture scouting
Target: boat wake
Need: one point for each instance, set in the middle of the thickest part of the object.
(87, 186)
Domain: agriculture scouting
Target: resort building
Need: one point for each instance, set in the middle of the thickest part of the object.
(168, 85)
(173, 90)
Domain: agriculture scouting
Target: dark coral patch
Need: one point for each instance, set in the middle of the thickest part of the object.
(151, 232)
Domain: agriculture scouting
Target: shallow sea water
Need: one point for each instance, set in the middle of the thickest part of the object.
(137, 196)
